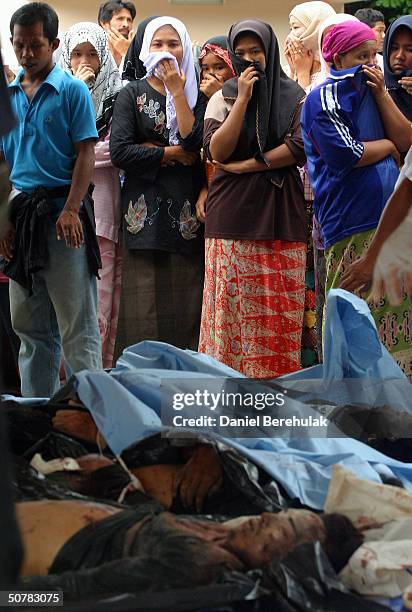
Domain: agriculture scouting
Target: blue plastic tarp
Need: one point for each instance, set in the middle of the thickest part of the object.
(126, 403)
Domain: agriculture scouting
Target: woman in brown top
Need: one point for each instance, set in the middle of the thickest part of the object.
(255, 227)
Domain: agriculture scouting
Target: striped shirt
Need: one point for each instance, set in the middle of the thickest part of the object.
(338, 116)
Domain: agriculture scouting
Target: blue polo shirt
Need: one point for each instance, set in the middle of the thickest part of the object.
(40, 150)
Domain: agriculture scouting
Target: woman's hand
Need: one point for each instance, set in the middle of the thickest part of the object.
(406, 83)
(375, 81)
(210, 84)
(177, 153)
(236, 167)
(295, 46)
(358, 277)
(171, 78)
(200, 205)
(303, 61)
(287, 52)
(245, 84)
(85, 73)
(396, 155)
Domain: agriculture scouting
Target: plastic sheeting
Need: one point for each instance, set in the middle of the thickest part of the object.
(126, 403)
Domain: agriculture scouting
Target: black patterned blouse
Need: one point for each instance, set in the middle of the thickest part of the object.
(158, 202)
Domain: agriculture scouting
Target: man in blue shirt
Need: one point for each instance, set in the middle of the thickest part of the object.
(51, 158)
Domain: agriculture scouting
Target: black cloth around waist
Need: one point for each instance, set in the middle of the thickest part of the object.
(29, 214)
(102, 541)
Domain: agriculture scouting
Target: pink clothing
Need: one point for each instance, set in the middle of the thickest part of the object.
(106, 194)
(107, 212)
(344, 37)
(3, 278)
(108, 290)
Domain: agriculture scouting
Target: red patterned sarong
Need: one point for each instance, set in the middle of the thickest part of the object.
(253, 304)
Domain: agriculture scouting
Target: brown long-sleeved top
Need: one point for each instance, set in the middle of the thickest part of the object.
(249, 206)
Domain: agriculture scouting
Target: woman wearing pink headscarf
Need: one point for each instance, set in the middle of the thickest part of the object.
(352, 132)
(319, 264)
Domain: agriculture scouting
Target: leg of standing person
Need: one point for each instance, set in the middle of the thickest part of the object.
(73, 292)
(9, 344)
(108, 287)
(34, 321)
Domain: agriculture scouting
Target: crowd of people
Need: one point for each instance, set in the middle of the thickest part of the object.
(207, 200)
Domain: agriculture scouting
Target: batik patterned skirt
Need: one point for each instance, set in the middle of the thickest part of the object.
(309, 356)
(253, 303)
(161, 298)
(394, 323)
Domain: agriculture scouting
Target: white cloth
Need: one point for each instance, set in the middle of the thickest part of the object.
(395, 257)
(380, 566)
(188, 66)
(366, 503)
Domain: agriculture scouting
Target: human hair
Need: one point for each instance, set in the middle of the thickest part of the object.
(342, 539)
(37, 12)
(175, 558)
(108, 9)
(369, 16)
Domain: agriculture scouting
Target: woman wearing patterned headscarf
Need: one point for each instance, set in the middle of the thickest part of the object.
(255, 226)
(215, 68)
(85, 53)
(156, 138)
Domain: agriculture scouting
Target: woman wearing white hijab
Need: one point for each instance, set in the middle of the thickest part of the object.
(85, 53)
(301, 47)
(156, 138)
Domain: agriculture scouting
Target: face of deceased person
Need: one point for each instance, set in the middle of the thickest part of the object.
(269, 537)
(260, 539)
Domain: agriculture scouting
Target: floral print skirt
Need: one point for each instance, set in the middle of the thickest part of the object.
(394, 323)
(253, 304)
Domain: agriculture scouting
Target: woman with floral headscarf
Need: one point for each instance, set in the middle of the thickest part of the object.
(156, 139)
(255, 226)
(85, 53)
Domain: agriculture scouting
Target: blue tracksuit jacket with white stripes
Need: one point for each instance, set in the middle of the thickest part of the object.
(337, 117)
